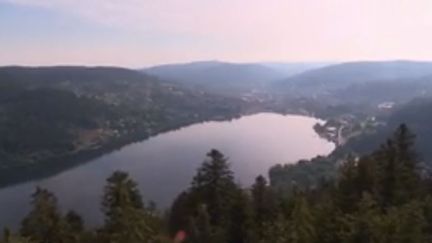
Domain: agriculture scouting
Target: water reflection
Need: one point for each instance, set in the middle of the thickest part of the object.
(165, 164)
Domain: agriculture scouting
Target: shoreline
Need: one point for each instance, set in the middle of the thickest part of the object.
(20, 174)
(26, 173)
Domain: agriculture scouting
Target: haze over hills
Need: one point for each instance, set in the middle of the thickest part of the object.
(387, 90)
(225, 77)
(293, 68)
(360, 82)
(343, 75)
(218, 76)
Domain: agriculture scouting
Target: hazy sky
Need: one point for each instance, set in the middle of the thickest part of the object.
(144, 32)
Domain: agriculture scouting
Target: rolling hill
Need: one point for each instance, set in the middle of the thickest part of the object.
(343, 75)
(218, 77)
(230, 78)
(290, 69)
(364, 83)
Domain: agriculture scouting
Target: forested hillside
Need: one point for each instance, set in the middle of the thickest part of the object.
(417, 114)
(360, 82)
(384, 196)
(53, 117)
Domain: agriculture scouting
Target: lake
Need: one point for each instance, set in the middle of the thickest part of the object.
(164, 165)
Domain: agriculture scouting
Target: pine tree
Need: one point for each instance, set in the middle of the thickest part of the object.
(348, 191)
(214, 189)
(201, 229)
(44, 222)
(389, 172)
(356, 177)
(241, 228)
(407, 156)
(264, 205)
(367, 177)
(182, 209)
(214, 186)
(8, 237)
(126, 219)
(412, 223)
(329, 220)
(398, 169)
(74, 227)
(362, 224)
(403, 224)
(74, 221)
(302, 222)
(119, 191)
(427, 213)
(277, 231)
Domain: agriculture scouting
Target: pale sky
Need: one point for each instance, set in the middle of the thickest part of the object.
(136, 33)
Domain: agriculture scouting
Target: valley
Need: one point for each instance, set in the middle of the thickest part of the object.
(61, 123)
(98, 110)
(191, 121)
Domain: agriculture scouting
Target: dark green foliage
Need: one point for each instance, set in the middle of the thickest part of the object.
(181, 210)
(120, 191)
(241, 225)
(44, 223)
(201, 230)
(304, 174)
(214, 186)
(302, 223)
(46, 120)
(74, 228)
(398, 167)
(264, 206)
(348, 186)
(213, 198)
(361, 226)
(378, 198)
(74, 222)
(328, 220)
(126, 218)
(8, 237)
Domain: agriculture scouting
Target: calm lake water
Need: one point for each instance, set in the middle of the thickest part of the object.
(165, 164)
